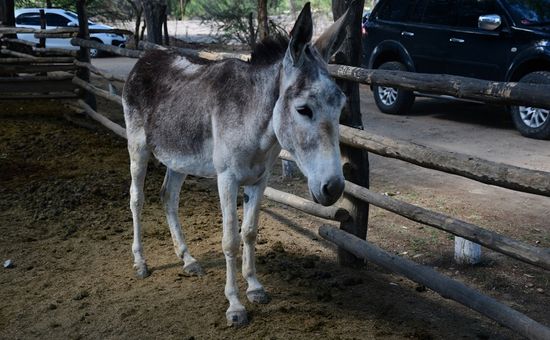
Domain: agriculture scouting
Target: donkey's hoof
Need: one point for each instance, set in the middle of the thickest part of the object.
(258, 296)
(193, 269)
(236, 318)
(142, 271)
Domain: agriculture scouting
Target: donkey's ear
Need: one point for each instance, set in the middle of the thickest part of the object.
(331, 39)
(300, 35)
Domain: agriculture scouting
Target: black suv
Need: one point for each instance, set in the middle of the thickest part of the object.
(500, 40)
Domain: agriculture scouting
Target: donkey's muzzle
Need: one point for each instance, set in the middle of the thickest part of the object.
(330, 192)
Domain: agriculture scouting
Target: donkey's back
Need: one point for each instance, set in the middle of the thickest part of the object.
(170, 102)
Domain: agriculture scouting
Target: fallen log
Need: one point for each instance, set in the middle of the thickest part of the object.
(539, 257)
(460, 87)
(97, 91)
(108, 48)
(481, 170)
(330, 213)
(443, 285)
(117, 129)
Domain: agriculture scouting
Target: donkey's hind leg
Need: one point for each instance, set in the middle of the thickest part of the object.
(170, 195)
(252, 198)
(139, 156)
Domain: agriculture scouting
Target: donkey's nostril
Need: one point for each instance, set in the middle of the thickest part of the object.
(333, 188)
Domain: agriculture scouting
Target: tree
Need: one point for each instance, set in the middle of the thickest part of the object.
(155, 15)
(263, 26)
(6, 13)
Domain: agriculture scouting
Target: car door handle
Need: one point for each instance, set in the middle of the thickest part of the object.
(456, 40)
(407, 34)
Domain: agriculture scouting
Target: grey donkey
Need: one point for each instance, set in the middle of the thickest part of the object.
(229, 120)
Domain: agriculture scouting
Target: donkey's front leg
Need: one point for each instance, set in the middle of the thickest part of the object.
(252, 198)
(227, 188)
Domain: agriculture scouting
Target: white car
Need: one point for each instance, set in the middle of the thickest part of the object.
(55, 17)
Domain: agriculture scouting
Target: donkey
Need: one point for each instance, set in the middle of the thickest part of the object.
(229, 119)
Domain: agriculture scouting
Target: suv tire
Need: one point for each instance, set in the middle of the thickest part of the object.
(391, 100)
(529, 121)
(94, 52)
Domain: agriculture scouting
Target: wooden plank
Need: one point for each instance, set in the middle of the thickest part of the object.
(459, 87)
(109, 48)
(330, 213)
(481, 170)
(99, 72)
(114, 127)
(443, 285)
(97, 91)
(539, 257)
(84, 53)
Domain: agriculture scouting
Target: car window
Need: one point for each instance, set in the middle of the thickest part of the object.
(470, 10)
(530, 13)
(28, 19)
(56, 20)
(440, 12)
(395, 10)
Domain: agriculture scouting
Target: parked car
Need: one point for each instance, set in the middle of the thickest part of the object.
(55, 17)
(499, 40)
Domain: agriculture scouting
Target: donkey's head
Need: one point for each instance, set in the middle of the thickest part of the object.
(307, 112)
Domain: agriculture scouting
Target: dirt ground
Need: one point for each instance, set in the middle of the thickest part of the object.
(66, 225)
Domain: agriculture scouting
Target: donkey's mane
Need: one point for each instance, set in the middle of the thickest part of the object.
(269, 50)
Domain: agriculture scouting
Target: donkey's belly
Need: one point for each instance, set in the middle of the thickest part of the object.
(197, 164)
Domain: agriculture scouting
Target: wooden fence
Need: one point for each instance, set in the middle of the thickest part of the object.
(515, 178)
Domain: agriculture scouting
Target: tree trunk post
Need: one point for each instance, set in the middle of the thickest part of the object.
(154, 12)
(263, 28)
(166, 35)
(467, 252)
(355, 162)
(84, 53)
(7, 15)
(42, 41)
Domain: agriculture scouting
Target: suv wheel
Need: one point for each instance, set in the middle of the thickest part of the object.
(533, 122)
(392, 100)
(94, 52)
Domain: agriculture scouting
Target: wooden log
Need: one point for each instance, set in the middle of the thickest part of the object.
(36, 60)
(52, 51)
(481, 170)
(108, 48)
(97, 91)
(25, 95)
(19, 41)
(466, 252)
(289, 169)
(99, 72)
(12, 30)
(459, 87)
(145, 45)
(17, 54)
(330, 213)
(19, 79)
(55, 35)
(117, 129)
(38, 68)
(539, 257)
(443, 285)
(284, 154)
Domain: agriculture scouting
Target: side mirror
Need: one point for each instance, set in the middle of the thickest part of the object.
(72, 24)
(489, 22)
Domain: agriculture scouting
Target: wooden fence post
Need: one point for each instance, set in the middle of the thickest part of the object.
(355, 161)
(84, 54)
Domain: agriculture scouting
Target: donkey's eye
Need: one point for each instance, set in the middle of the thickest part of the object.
(305, 111)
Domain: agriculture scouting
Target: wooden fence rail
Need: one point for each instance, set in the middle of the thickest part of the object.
(503, 175)
(521, 251)
(97, 91)
(445, 286)
(508, 93)
(108, 48)
(70, 30)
